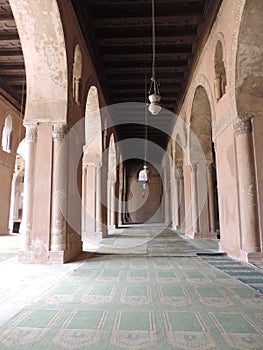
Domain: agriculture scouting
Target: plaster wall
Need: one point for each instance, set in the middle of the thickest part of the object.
(7, 161)
(223, 112)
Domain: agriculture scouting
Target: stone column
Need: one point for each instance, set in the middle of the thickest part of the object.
(98, 217)
(84, 200)
(111, 199)
(175, 202)
(59, 189)
(181, 204)
(211, 199)
(26, 225)
(104, 196)
(250, 241)
(194, 196)
(167, 203)
(181, 208)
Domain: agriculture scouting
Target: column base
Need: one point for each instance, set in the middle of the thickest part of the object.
(193, 235)
(46, 257)
(211, 235)
(253, 257)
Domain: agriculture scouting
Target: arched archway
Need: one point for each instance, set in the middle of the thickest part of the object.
(45, 57)
(91, 171)
(202, 166)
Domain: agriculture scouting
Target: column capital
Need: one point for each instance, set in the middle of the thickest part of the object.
(31, 132)
(193, 167)
(84, 170)
(242, 124)
(58, 132)
(209, 165)
(179, 170)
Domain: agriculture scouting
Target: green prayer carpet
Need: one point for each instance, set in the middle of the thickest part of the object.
(114, 302)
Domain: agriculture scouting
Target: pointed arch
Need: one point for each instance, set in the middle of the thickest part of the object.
(42, 39)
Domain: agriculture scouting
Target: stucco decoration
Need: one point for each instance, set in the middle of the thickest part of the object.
(31, 132)
(93, 131)
(243, 124)
(249, 60)
(232, 62)
(200, 127)
(77, 72)
(220, 71)
(42, 39)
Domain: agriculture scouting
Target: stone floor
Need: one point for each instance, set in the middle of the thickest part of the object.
(174, 294)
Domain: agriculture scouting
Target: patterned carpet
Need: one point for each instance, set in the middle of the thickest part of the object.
(9, 246)
(113, 302)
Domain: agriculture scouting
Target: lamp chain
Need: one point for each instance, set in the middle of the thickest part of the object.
(146, 130)
(153, 40)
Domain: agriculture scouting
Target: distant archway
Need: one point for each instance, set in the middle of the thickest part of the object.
(202, 166)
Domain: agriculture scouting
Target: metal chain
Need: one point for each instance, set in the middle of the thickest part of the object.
(145, 114)
(153, 40)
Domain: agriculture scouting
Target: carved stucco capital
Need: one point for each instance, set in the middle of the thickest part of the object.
(193, 167)
(31, 132)
(242, 124)
(209, 166)
(58, 132)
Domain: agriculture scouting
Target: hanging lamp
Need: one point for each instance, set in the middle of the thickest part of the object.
(154, 94)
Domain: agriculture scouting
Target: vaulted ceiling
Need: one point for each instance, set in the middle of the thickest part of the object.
(118, 34)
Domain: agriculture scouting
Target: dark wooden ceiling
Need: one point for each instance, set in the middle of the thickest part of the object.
(12, 69)
(118, 34)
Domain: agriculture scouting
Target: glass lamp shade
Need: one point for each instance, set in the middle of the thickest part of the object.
(154, 107)
(143, 174)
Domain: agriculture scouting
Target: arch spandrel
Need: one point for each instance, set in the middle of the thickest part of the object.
(249, 60)
(93, 131)
(42, 39)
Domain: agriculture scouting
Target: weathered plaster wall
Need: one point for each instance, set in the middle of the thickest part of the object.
(223, 112)
(7, 161)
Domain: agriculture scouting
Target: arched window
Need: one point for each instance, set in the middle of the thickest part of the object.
(77, 70)
(6, 134)
(220, 72)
